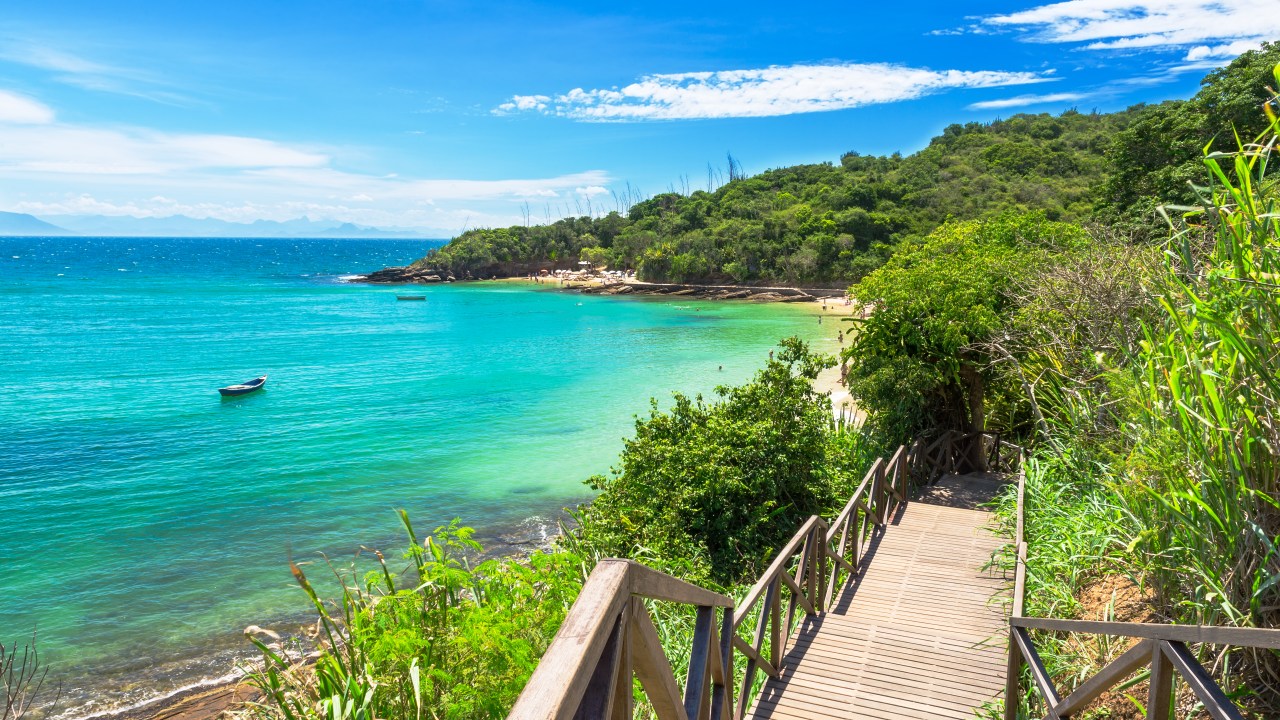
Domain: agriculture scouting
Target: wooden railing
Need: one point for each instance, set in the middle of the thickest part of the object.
(608, 637)
(1162, 649)
(608, 640)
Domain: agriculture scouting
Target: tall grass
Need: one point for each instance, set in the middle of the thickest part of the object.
(443, 641)
(1205, 475)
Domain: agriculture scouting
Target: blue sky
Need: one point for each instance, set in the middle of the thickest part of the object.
(445, 115)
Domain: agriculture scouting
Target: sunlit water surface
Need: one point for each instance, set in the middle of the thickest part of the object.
(144, 520)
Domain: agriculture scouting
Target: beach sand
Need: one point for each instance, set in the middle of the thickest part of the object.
(835, 319)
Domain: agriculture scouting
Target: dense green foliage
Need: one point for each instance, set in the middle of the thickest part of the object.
(446, 641)
(1157, 158)
(706, 490)
(821, 224)
(924, 359)
(717, 487)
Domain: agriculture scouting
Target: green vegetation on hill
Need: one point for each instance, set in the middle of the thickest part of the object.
(1158, 156)
(823, 224)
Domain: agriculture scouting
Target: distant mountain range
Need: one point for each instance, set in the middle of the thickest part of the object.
(12, 224)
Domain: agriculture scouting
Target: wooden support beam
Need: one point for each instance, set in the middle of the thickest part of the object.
(1160, 697)
(1038, 672)
(1216, 702)
(652, 668)
(1116, 671)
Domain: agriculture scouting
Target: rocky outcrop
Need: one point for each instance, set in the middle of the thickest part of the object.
(716, 292)
(402, 276)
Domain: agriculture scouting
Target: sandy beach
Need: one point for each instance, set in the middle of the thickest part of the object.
(835, 317)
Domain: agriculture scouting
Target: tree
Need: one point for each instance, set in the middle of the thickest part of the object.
(918, 363)
(716, 487)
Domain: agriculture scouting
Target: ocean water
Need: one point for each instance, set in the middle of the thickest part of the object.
(145, 521)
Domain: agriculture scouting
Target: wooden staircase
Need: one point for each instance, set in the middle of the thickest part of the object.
(887, 611)
(916, 636)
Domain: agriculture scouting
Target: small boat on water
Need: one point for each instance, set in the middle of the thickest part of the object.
(245, 387)
(411, 297)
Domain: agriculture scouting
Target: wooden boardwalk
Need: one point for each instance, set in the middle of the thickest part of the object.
(917, 636)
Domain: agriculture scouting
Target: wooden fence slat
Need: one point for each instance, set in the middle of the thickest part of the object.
(652, 668)
(1216, 702)
(695, 685)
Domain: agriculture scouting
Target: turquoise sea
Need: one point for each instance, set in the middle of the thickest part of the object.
(145, 521)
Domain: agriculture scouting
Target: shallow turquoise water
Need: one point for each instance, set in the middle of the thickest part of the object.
(144, 521)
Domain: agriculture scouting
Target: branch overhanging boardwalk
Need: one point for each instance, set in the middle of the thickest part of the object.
(917, 635)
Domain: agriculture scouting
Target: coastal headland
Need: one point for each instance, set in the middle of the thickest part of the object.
(594, 282)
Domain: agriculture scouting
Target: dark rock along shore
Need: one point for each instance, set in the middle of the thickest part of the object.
(410, 275)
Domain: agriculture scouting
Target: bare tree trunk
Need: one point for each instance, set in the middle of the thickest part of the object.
(977, 417)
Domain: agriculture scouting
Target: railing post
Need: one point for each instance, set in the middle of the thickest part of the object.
(775, 620)
(815, 566)
(722, 701)
(1012, 679)
(880, 494)
(1160, 698)
(695, 687)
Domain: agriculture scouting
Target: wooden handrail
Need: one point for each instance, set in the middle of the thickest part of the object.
(608, 638)
(1161, 648)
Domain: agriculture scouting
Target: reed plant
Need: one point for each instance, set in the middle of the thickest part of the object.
(1205, 475)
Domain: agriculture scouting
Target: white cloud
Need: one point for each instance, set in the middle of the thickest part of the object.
(772, 91)
(1229, 26)
(84, 150)
(57, 168)
(19, 109)
(591, 191)
(1025, 100)
(72, 69)
(523, 102)
(1225, 51)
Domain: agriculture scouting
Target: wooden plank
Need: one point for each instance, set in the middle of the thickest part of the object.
(1244, 637)
(557, 685)
(914, 636)
(652, 668)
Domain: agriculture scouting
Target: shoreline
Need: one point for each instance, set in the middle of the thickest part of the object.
(597, 283)
(224, 689)
(216, 695)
